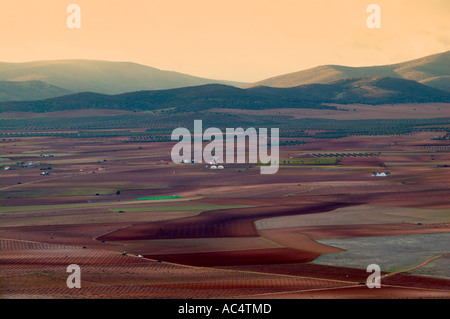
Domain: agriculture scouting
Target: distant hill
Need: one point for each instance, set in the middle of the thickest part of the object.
(374, 91)
(29, 90)
(182, 99)
(100, 76)
(432, 70)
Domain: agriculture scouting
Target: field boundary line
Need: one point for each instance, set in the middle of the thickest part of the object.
(304, 290)
(426, 261)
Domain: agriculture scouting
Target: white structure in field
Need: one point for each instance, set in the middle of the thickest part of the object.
(258, 142)
(213, 167)
(381, 174)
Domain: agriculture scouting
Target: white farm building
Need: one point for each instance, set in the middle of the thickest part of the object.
(381, 174)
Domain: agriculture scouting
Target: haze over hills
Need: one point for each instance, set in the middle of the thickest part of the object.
(433, 70)
(100, 76)
(96, 83)
(376, 90)
(29, 90)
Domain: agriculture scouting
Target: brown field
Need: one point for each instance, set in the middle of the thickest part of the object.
(358, 111)
(235, 233)
(239, 257)
(350, 231)
(84, 112)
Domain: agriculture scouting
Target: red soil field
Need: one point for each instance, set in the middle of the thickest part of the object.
(307, 270)
(37, 269)
(408, 280)
(75, 234)
(351, 275)
(291, 237)
(360, 292)
(218, 223)
(370, 161)
(239, 257)
(34, 264)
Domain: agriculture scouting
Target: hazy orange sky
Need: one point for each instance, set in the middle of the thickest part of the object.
(242, 40)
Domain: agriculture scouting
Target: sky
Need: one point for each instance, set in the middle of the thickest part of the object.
(240, 40)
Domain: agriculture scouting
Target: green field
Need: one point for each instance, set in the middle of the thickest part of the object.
(159, 197)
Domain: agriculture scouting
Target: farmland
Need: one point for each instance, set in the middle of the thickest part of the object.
(308, 231)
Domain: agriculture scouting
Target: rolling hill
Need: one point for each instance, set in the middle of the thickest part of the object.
(373, 91)
(183, 99)
(366, 90)
(29, 90)
(433, 70)
(100, 76)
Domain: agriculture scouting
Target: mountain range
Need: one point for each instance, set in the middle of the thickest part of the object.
(433, 70)
(80, 84)
(100, 76)
(29, 90)
(376, 90)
